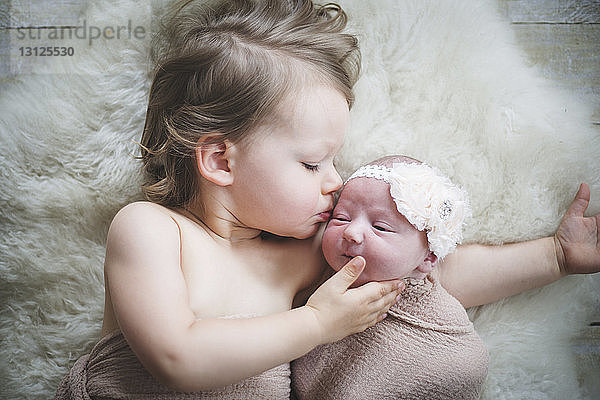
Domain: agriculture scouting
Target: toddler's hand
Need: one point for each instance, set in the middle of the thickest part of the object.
(341, 311)
(577, 240)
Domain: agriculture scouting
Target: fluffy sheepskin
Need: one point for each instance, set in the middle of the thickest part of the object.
(442, 82)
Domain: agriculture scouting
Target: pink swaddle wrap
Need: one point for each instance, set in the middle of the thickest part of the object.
(425, 349)
(112, 371)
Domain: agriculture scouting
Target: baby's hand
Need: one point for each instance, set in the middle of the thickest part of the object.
(341, 311)
(577, 240)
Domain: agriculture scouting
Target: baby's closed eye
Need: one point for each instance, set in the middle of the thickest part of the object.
(382, 227)
(340, 217)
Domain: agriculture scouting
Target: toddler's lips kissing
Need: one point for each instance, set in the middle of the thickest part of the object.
(324, 216)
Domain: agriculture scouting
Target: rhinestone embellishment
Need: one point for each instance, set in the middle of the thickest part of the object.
(445, 209)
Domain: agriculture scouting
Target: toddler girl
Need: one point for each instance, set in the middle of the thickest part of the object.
(247, 109)
(402, 217)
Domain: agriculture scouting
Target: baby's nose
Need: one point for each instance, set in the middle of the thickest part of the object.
(353, 234)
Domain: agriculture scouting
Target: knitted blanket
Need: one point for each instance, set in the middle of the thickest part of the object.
(112, 371)
(425, 349)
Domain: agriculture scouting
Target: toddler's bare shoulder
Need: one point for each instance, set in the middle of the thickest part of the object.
(143, 212)
(142, 224)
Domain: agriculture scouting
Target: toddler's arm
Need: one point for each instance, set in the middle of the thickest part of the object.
(478, 274)
(149, 296)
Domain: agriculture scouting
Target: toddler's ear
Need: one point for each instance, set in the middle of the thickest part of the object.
(428, 264)
(212, 160)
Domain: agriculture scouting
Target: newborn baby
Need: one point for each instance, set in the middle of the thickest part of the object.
(402, 216)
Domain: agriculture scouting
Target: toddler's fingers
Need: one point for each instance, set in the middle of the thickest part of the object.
(383, 304)
(346, 276)
(375, 318)
(380, 307)
(375, 291)
(382, 316)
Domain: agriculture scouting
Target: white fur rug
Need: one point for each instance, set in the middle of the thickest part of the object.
(442, 82)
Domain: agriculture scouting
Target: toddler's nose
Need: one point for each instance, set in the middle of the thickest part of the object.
(332, 182)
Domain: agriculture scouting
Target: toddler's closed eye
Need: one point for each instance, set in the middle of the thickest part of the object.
(311, 167)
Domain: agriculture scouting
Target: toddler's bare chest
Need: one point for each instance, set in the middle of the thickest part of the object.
(225, 283)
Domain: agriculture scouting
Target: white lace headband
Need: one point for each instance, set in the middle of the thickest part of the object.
(427, 199)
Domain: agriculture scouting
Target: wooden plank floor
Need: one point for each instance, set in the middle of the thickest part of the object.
(562, 37)
(41, 16)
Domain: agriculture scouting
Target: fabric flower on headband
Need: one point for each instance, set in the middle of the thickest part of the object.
(427, 199)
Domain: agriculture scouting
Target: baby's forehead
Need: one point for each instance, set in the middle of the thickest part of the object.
(367, 192)
(366, 184)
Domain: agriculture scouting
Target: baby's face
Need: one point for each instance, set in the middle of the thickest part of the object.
(365, 222)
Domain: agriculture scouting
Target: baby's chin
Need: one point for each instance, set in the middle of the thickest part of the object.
(339, 262)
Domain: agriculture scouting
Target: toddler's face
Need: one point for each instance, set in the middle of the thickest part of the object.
(365, 222)
(285, 178)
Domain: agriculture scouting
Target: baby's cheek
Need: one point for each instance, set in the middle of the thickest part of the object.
(329, 244)
(382, 261)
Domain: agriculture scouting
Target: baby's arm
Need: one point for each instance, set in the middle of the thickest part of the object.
(478, 274)
(149, 296)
